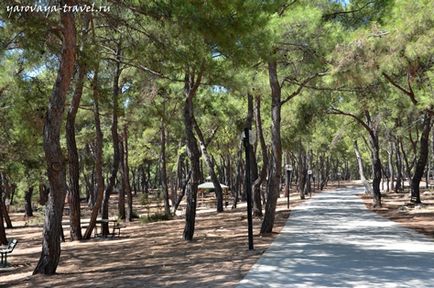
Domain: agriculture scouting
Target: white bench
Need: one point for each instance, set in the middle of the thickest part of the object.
(6, 250)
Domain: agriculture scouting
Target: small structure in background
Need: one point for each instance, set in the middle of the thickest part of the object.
(210, 186)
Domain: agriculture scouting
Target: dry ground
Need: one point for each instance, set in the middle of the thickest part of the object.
(397, 207)
(147, 255)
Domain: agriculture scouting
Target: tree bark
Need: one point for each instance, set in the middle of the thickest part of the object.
(121, 192)
(210, 162)
(115, 140)
(28, 202)
(253, 163)
(184, 188)
(376, 162)
(129, 212)
(50, 254)
(390, 164)
(276, 160)
(3, 239)
(191, 84)
(74, 167)
(302, 172)
(422, 159)
(163, 162)
(365, 182)
(398, 162)
(99, 179)
(257, 201)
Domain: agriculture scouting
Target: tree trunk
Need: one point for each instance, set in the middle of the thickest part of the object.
(209, 161)
(122, 190)
(236, 190)
(3, 239)
(256, 193)
(90, 188)
(257, 201)
(28, 202)
(50, 254)
(74, 167)
(163, 162)
(390, 164)
(184, 188)
(4, 190)
(302, 172)
(129, 214)
(398, 163)
(376, 167)
(365, 182)
(422, 159)
(276, 163)
(180, 175)
(98, 160)
(115, 139)
(190, 87)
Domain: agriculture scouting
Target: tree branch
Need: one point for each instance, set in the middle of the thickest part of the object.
(409, 93)
(300, 87)
(358, 119)
(334, 14)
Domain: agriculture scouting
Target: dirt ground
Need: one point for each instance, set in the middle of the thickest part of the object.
(146, 254)
(397, 207)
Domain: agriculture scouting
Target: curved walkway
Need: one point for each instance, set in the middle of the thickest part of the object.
(332, 240)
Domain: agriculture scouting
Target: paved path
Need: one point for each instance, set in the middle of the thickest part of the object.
(332, 240)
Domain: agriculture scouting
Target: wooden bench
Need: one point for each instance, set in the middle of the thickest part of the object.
(5, 251)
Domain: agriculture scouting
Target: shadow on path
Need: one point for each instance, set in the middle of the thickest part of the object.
(334, 241)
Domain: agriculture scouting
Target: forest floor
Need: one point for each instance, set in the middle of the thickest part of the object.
(397, 207)
(146, 254)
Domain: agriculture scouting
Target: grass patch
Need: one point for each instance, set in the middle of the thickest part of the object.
(155, 218)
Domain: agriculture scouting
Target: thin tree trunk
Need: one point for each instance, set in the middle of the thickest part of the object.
(74, 167)
(257, 201)
(122, 191)
(50, 254)
(365, 182)
(190, 87)
(302, 172)
(129, 214)
(115, 139)
(398, 163)
(184, 188)
(209, 161)
(3, 239)
(163, 162)
(253, 163)
(390, 164)
(236, 191)
(276, 167)
(422, 159)
(98, 161)
(4, 185)
(28, 202)
(376, 167)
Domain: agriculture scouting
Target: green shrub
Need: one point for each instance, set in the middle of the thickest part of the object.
(155, 218)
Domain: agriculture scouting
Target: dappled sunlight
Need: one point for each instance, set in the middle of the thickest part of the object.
(149, 255)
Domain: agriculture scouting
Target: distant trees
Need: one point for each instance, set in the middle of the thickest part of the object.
(157, 93)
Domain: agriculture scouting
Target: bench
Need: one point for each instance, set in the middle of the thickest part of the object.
(5, 251)
(117, 226)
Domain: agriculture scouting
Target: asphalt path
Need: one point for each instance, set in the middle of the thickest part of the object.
(333, 240)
